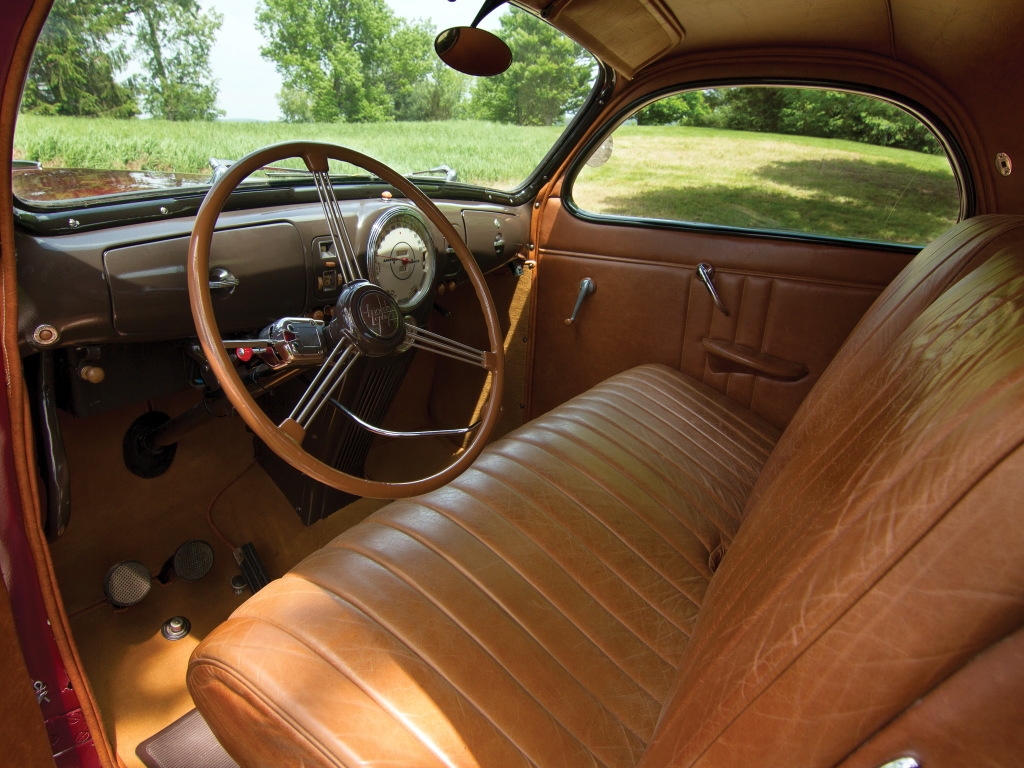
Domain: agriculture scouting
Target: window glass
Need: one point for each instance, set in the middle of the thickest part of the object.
(154, 94)
(787, 159)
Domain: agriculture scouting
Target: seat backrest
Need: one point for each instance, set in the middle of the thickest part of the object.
(881, 549)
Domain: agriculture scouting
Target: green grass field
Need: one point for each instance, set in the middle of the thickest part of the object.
(705, 175)
(490, 154)
(741, 179)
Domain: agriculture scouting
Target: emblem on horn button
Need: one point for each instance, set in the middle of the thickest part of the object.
(379, 314)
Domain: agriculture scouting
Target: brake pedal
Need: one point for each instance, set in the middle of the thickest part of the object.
(191, 562)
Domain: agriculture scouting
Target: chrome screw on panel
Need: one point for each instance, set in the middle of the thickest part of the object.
(45, 335)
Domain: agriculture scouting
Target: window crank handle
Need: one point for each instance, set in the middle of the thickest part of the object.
(706, 273)
(587, 287)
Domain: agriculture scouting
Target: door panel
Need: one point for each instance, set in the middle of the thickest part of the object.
(789, 299)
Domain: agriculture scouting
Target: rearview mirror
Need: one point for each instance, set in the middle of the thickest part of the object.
(473, 51)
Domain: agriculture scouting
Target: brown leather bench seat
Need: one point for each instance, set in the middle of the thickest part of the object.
(650, 575)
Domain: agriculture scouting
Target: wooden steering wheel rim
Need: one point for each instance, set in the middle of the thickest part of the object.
(316, 156)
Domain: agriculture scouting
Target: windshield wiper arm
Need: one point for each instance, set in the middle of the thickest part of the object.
(220, 167)
(450, 174)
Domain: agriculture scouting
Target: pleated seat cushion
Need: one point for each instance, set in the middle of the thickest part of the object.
(533, 612)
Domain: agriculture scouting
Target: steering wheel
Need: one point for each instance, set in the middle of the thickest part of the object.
(367, 322)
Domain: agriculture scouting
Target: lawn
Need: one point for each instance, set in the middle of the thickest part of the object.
(732, 178)
(468, 146)
(767, 181)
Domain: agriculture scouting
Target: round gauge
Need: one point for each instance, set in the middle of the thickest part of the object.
(400, 255)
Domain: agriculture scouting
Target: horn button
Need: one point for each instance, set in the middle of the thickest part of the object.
(370, 318)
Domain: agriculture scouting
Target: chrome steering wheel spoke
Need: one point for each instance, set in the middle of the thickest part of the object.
(327, 381)
(351, 269)
(429, 341)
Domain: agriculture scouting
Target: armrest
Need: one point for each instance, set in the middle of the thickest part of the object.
(743, 359)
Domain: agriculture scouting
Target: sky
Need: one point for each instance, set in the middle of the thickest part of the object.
(248, 83)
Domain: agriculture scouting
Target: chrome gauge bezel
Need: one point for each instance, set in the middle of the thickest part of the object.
(410, 217)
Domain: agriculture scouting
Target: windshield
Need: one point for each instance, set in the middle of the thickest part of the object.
(157, 96)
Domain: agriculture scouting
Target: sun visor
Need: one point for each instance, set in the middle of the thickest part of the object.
(630, 33)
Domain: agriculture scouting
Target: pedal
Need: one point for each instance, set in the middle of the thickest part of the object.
(127, 583)
(191, 562)
(252, 567)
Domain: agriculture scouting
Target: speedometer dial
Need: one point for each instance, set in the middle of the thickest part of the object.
(400, 255)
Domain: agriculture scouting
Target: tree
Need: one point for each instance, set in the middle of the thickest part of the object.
(409, 70)
(752, 109)
(350, 60)
(85, 44)
(172, 41)
(74, 66)
(688, 108)
(549, 77)
(440, 96)
(829, 114)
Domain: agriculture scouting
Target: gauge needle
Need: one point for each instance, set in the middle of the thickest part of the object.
(404, 261)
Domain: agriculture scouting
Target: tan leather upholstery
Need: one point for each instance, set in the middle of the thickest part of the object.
(562, 573)
(633, 580)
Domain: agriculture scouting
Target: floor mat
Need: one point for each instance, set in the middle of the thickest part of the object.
(138, 676)
(186, 743)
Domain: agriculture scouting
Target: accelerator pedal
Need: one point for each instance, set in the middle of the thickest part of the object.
(188, 742)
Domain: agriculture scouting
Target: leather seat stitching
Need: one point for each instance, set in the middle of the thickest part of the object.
(965, 253)
(687, 451)
(604, 526)
(695, 422)
(376, 619)
(576, 581)
(501, 606)
(631, 506)
(243, 679)
(732, 510)
(697, 404)
(369, 555)
(731, 424)
(538, 588)
(596, 558)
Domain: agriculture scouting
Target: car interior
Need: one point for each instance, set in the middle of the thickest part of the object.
(399, 470)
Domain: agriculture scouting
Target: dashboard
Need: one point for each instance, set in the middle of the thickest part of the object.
(111, 305)
(126, 284)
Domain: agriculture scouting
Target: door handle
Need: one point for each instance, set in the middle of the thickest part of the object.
(222, 280)
(706, 273)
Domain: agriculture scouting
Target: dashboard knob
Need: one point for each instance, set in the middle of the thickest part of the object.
(92, 373)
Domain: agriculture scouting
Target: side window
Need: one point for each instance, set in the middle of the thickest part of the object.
(802, 160)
